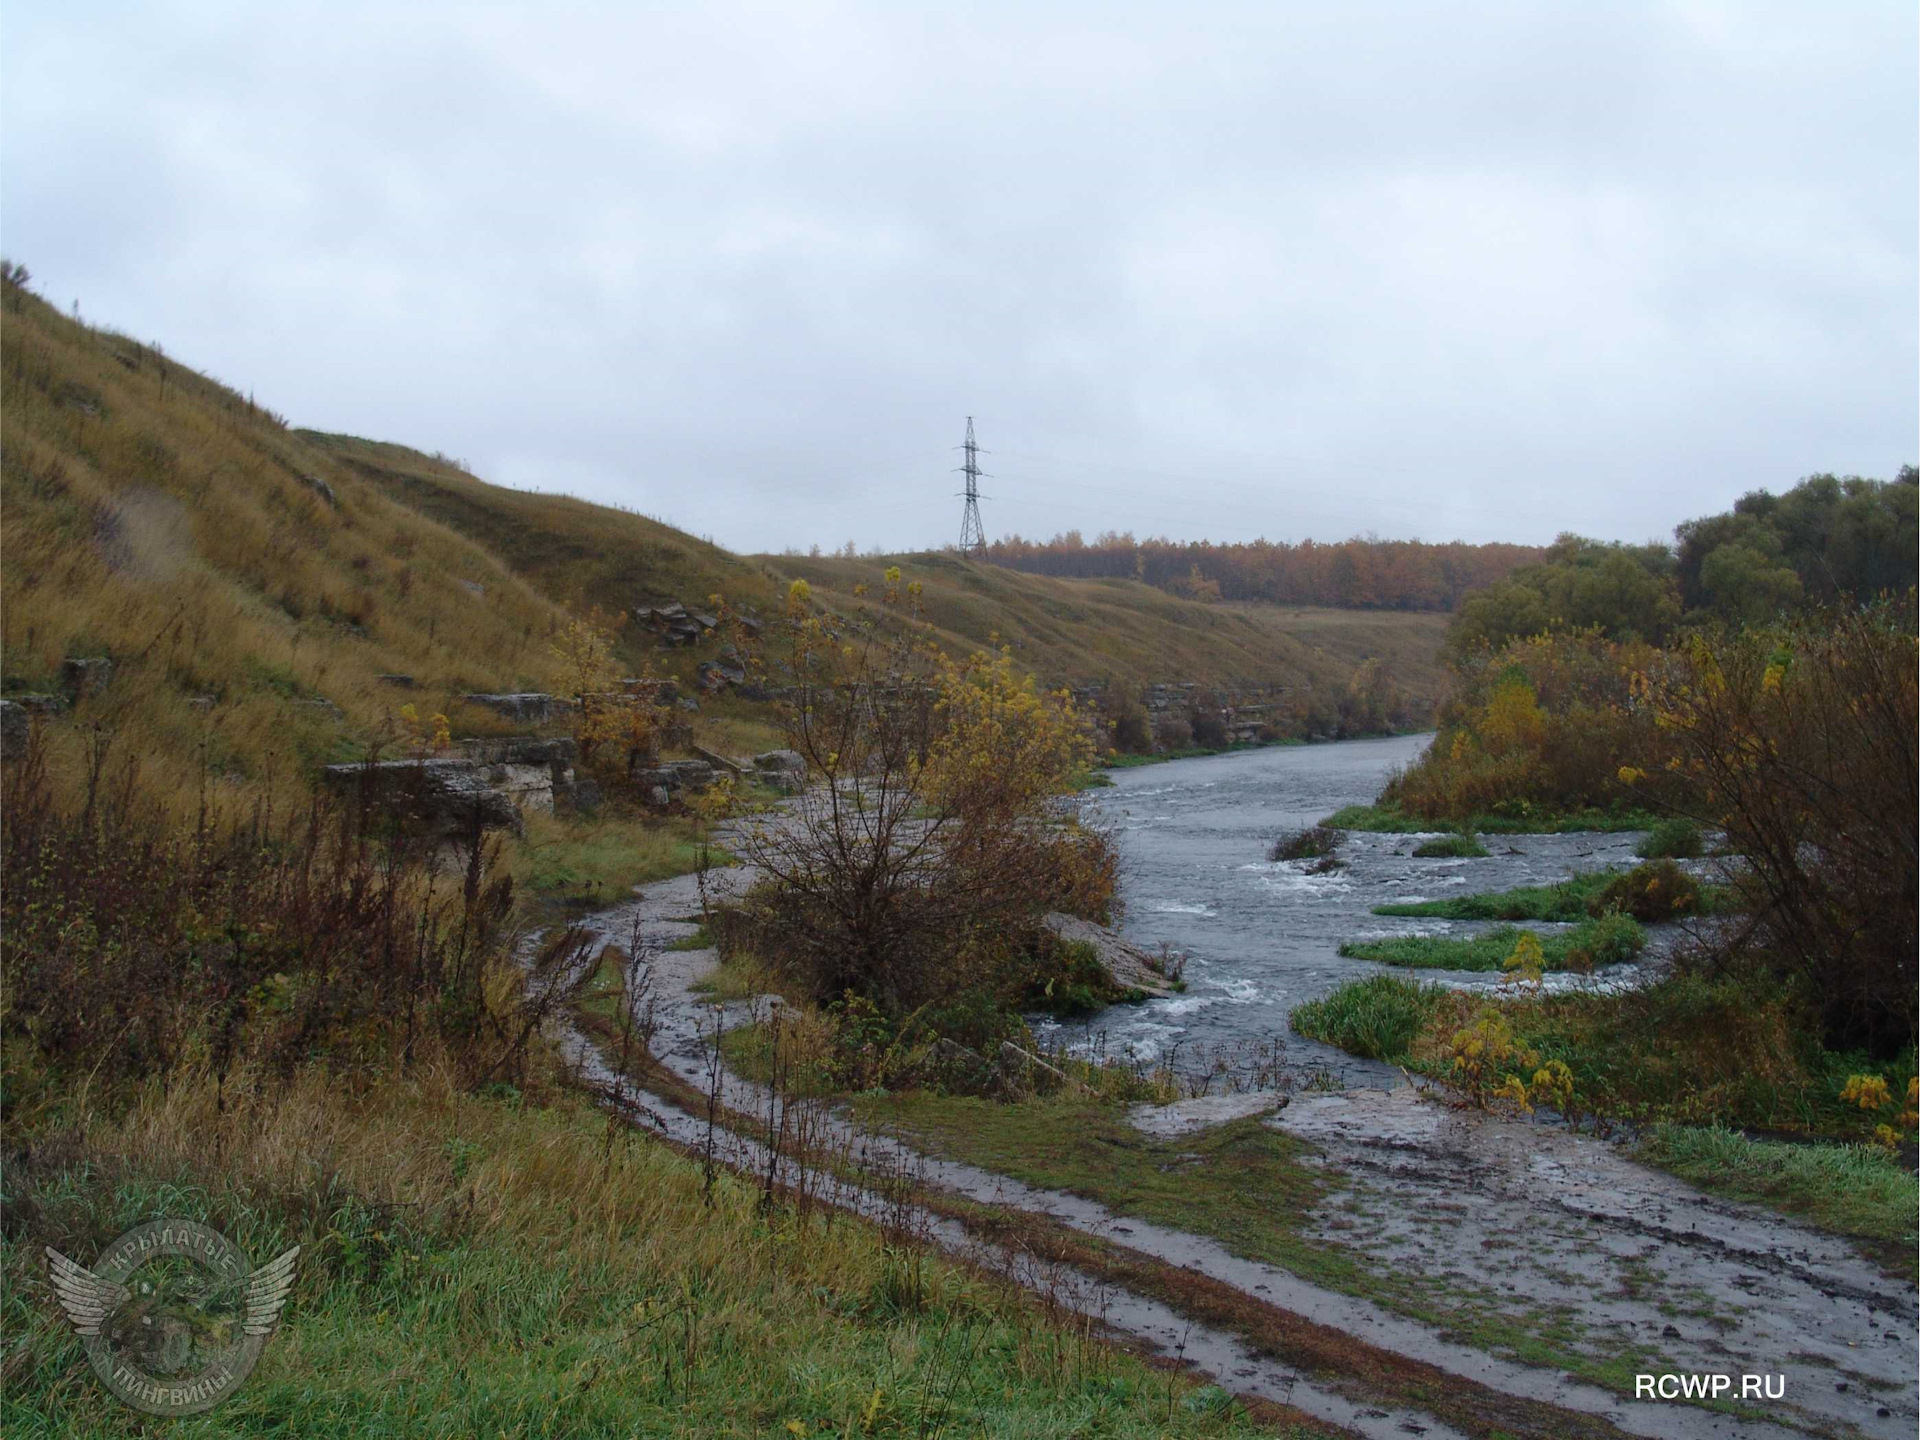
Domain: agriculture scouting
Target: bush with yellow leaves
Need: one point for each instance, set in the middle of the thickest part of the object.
(1487, 1063)
(1872, 1094)
(617, 724)
(921, 862)
(1540, 726)
(1800, 743)
(425, 736)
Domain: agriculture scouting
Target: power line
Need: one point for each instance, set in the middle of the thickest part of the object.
(973, 535)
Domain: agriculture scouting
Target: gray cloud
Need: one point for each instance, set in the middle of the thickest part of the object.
(1213, 271)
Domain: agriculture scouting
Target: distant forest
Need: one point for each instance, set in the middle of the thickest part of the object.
(1349, 574)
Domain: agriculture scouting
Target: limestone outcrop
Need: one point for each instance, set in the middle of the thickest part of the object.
(1129, 965)
(85, 675)
(450, 797)
(534, 772)
(16, 728)
(524, 708)
(782, 770)
(675, 624)
(675, 778)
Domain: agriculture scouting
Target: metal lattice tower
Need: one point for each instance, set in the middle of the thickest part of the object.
(973, 536)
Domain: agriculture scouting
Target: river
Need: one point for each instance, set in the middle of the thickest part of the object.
(1262, 936)
(1531, 1220)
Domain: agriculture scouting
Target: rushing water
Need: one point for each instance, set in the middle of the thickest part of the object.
(1262, 936)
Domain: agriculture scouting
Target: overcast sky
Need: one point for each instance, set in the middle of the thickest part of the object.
(1476, 270)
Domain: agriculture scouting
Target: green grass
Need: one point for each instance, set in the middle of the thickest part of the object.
(1392, 820)
(738, 976)
(1132, 762)
(1689, 1049)
(1860, 1191)
(594, 861)
(1451, 847)
(603, 994)
(1687, 1058)
(1377, 1018)
(1565, 902)
(477, 1268)
(1607, 941)
(1243, 1183)
(1185, 752)
(1671, 840)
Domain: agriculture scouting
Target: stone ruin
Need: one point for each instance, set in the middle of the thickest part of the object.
(675, 624)
(490, 783)
(1245, 708)
(523, 708)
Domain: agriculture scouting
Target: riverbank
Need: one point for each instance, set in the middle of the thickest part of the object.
(1130, 761)
(1300, 1201)
(1392, 820)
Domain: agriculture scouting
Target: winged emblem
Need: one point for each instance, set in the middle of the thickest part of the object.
(267, 1290)
(87, 1299)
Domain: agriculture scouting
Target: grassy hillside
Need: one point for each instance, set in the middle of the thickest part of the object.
(578, 553)
(162, 520)
(1067, 630)
(250, 583)
(1122, 630)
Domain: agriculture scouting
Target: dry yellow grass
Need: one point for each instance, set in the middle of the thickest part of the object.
(160, 519)
(1126, 632)
(1074, 631)
(157, 518)
(578, 553)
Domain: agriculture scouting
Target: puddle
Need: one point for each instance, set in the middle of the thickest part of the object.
(1188, 1117)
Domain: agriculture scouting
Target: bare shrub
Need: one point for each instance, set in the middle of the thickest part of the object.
(1311, 844)
(1801, 741)
(921, 864)
(131, 946)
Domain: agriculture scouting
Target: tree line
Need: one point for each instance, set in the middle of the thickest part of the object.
(1828, 540)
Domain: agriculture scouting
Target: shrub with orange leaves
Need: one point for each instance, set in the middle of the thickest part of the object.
(1542, 725)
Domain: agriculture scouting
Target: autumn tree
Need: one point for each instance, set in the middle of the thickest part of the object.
(922, 860)
(617, 723)
(1540, 725)
(1800, 742)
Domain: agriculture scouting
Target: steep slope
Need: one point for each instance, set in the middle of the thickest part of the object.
(246, 586)
(579, 553)
(1130, 634)
(255, 588)
(1067, 630)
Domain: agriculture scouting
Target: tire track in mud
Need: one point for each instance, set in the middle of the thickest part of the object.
(1227, 1338)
